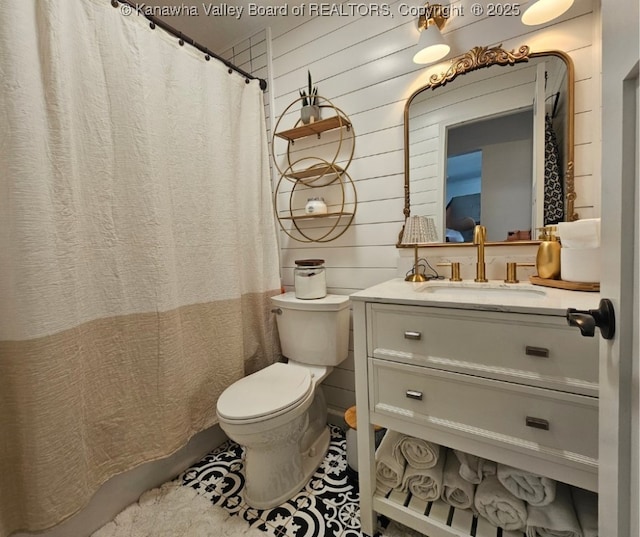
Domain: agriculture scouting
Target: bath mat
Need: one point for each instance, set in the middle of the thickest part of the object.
(173, 510)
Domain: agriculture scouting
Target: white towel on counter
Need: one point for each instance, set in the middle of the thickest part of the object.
(532, 488)
(420, 453)
(390, 462)
(586, 506)
(499, 506)
(557, 519)
(456, 490)
(424, 483)
(473, 468)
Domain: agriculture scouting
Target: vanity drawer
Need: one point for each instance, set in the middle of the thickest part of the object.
(535, 350)
(529, 419)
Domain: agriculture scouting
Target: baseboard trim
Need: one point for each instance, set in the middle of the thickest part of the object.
(335, 416)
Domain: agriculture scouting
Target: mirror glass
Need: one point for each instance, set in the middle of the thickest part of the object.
(492, 147)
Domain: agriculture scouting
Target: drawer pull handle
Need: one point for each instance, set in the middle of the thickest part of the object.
(541, 352)
(413, 394)
(537, 423)
(412, 335)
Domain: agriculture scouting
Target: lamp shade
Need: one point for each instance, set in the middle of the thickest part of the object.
(419, 230)
(543, 11)
(431, 46)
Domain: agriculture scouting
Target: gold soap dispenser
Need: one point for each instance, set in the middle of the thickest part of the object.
(548, 257)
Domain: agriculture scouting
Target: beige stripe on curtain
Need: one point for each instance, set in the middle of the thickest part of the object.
(137, 249)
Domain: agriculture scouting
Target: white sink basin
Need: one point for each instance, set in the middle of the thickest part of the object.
(493, 291)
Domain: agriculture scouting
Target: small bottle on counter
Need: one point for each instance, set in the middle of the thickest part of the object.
(548, 256)
(309, 279)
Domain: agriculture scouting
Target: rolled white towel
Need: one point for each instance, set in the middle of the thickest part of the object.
(456, 491)
(390, 463)
(424, 483)
(586, 506)
(420, 453)
(557, 519)
(499, 506)
(532, 488)
(473, 468)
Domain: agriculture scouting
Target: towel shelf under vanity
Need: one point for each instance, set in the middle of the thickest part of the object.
(442, 519)
(513, 387)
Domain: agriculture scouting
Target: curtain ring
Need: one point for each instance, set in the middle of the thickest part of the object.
(115, 3)
(152, 25)
(180, 41)
(207, 57)
(230, 71)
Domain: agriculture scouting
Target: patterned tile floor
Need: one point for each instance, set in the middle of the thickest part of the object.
(326, 507)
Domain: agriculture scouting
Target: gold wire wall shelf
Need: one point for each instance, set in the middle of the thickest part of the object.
(320, 174)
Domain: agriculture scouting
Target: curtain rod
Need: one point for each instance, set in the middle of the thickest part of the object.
(182, 39)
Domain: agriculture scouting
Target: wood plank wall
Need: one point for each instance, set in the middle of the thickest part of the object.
(363, 64)
(253, 56)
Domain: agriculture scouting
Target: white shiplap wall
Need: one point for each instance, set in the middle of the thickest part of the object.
(253, 55)
(363, 64)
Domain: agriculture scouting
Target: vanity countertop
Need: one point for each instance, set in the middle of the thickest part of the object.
(492, 296)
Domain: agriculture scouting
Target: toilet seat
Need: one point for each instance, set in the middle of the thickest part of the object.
(267, 393)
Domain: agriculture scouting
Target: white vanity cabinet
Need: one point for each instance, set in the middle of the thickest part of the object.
(507, 380)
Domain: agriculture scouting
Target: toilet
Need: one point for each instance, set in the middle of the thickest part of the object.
(279, 414)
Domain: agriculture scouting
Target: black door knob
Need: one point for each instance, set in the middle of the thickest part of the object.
(586, 321)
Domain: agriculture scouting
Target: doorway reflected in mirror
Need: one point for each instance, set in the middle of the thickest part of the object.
(488, 176)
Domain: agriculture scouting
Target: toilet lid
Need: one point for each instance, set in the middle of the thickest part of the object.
(265, 392)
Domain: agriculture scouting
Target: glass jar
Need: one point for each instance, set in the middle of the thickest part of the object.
(309, 279)
(315, 206)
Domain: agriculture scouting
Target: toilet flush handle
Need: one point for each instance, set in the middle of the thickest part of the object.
(277, 311)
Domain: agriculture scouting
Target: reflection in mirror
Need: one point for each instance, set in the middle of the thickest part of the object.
(488, 177)
(494, 147)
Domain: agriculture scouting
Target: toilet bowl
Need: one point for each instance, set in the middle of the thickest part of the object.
(279, 414)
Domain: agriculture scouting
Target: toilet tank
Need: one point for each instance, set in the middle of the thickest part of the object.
(315, 331)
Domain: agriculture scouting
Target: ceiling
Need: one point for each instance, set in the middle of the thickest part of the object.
(218, 32)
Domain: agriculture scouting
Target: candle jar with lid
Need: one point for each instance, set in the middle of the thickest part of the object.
(309, 279)
(315, 206)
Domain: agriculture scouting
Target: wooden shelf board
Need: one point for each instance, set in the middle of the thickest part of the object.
(442, 520)
(315, 171)
(312, 216)
(316, 127)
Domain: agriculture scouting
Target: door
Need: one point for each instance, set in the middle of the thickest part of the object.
(618, 444)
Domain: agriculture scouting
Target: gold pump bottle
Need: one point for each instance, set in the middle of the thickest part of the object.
(548, 256)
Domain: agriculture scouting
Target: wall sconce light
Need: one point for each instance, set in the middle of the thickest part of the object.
(418, 230)
(542, 11)
(432, 46)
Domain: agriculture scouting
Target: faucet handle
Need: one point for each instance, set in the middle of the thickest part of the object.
(455, 270)
(512, 267)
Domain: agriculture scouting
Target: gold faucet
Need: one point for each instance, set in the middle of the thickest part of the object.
(479, 238)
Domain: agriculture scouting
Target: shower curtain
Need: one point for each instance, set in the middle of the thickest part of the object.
(137, 249)
(553, 180)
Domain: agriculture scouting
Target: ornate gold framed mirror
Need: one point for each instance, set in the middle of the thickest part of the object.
(495, 147)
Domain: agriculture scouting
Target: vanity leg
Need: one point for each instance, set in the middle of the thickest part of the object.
(366, 479)
(365, 432)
